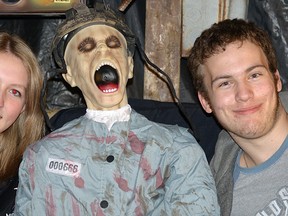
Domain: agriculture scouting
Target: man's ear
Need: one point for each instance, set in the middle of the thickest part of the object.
(68, 77)
(131, 67)
(205, 102)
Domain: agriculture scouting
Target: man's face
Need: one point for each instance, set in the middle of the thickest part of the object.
(97, 62)
(241, 91)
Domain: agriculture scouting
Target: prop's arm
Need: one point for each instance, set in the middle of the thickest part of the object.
(190, 187)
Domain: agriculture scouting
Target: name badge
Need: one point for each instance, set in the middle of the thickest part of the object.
(63, 167)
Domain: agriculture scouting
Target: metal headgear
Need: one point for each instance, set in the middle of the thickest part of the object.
(79, 17)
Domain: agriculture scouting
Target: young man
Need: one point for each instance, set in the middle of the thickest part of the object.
(234, 71)
(111, 161)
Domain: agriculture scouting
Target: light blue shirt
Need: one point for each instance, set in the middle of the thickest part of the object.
(138, 167)
(265, 186)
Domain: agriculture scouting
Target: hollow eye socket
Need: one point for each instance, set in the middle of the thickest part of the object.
(87, 45)
(113, 42)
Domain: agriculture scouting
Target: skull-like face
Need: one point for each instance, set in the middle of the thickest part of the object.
(97, 62)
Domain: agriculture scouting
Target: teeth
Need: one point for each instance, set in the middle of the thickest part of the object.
(105, 63)
(110, 90)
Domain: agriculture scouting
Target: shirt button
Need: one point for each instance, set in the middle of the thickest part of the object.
(104, 204)
(110, 158)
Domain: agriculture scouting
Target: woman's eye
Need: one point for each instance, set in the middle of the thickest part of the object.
(87, 45)
(15, 92)
(113, 42)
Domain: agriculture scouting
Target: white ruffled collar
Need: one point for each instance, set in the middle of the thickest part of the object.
(111, 116)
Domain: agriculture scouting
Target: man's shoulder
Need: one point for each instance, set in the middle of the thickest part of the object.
(224, 142)
(284, 99)
(225, 153)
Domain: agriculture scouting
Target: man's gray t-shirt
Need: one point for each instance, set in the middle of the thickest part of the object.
(262, 190)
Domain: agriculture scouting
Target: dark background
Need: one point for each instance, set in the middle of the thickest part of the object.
(38, 32)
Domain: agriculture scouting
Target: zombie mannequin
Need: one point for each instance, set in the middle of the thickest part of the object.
(111, 161)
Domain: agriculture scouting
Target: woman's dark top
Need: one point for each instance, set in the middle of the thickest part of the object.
(7, 196)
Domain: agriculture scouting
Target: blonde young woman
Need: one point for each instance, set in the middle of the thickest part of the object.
(21, 120)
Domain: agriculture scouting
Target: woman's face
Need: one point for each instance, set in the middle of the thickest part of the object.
(13, 85)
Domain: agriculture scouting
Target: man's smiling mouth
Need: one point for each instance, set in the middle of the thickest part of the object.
(248, 110)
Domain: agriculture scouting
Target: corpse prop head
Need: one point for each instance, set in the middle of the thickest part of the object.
(96, 49)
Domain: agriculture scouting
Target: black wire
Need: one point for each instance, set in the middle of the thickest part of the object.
(48, 75)
(170, 85)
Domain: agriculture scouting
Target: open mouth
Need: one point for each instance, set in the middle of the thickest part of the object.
(106, 78)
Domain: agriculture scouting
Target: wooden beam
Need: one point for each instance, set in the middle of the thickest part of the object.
(199, 15)
(163, 46)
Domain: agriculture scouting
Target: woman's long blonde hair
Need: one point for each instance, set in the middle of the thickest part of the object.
(29, 126)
